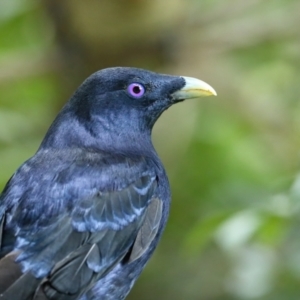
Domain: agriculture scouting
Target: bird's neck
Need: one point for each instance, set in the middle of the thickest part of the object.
(110, 135)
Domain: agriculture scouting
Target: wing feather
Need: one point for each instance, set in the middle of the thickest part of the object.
(63, 258)
(148, 229)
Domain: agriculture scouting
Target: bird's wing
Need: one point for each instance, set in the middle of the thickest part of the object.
(65, 256)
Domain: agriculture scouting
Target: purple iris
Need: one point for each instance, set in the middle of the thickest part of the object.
(136, 90)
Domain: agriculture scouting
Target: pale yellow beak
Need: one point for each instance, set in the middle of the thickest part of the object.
(193, 88)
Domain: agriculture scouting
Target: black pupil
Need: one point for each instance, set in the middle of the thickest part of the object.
(136, 89)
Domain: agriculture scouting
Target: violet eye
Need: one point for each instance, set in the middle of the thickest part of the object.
(136, 90)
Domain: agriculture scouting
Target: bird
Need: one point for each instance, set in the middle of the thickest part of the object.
(82, 216)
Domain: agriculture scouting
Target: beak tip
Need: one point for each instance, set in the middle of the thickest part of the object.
(214, 93)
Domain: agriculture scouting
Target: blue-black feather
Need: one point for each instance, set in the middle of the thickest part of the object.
(70, 215)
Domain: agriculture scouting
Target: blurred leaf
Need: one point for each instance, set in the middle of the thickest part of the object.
(202, 233)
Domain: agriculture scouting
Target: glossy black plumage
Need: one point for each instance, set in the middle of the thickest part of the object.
(80, 219)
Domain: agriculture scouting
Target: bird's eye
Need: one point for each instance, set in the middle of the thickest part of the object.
(136, 90)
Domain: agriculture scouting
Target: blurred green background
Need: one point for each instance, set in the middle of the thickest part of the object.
(233, 160)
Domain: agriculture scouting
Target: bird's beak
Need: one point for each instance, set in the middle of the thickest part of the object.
(193, 88)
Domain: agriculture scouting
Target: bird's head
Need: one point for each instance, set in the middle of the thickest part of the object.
(121, 104)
